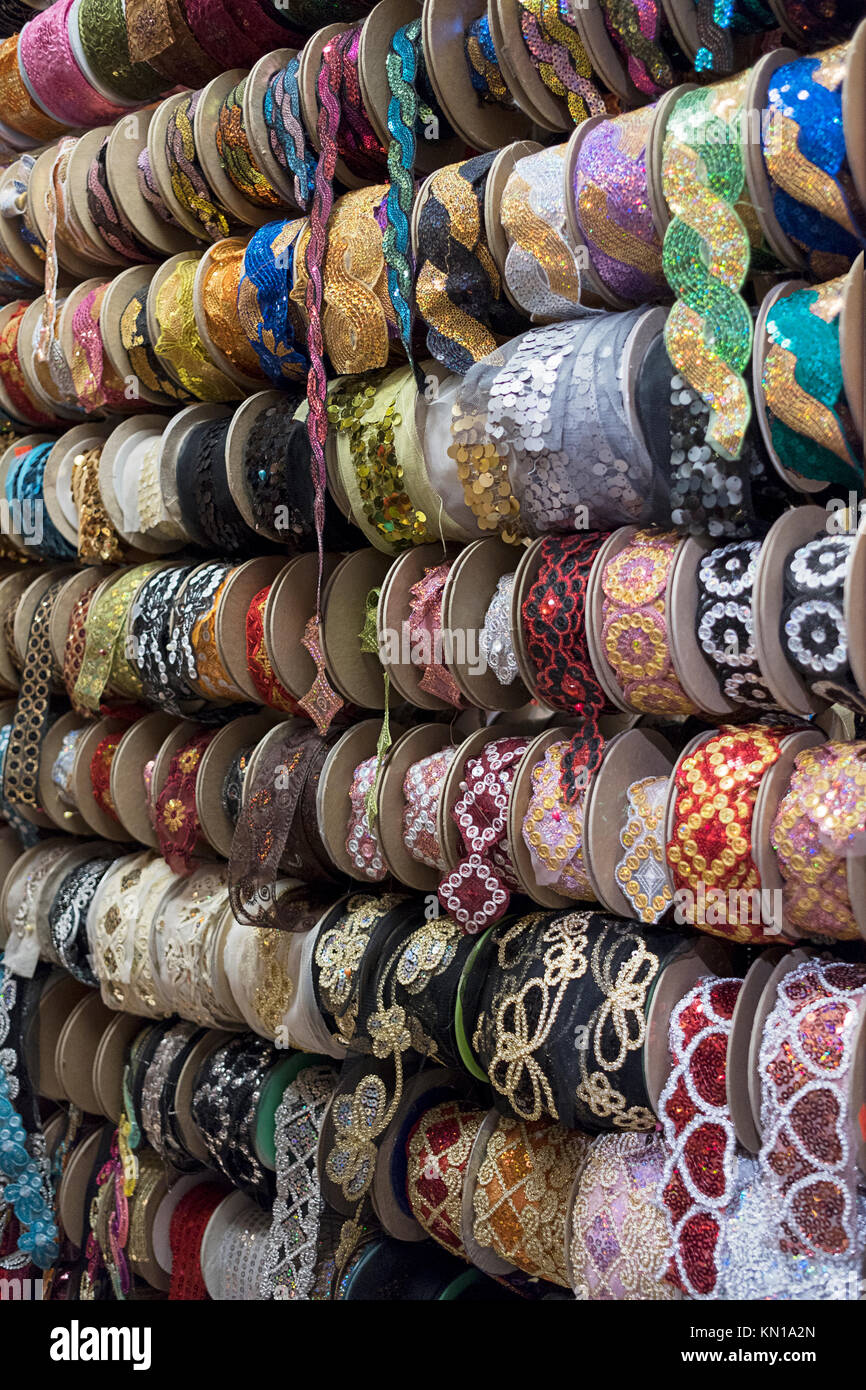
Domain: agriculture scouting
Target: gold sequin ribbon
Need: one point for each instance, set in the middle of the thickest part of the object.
(358, 308)
(219, 293)
(98, 542)
(179, 345)
(18, 107)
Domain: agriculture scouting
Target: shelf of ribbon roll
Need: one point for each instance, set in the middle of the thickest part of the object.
(108, 668)
(195, 650)
(220, 778)
(803, 636)
(48, 379)
(119, 927)
(134, 192)
(808, 380)
(193, 446)
(126, 340)
(186, 931)
(272, 123)
(722, 800)
(808, 109)
(477, 612)
(215, 299)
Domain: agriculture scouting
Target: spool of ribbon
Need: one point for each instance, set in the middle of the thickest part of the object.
(362, 840)
(108, 216)
(149, 627)
(158, 34)
(20, 109)
(17, 389)
(24, 492)
(611, 199)
(717, 884)
(425, 634)
(634, 633)
(358, 321)
(542, 269)
(225, 1098)
(640, 31)
(804, 393)
(102, 32)
(188, 181)
(73, 647)
(209, 511)
(706, 256)
(236, 156)
(33, 713)
(422, 789)
(105, 659)
(458, 288)
(197, 626)
(553, 827)
(819, 821)
(95, 380)
(145, 364)
(179, 346)
(478, 891)
(809, 1127)
(100, 772)
(557, 52)
(718, 27)
(725, 622)
(642, 871)
(699, 1180)
(552, 979)
(149, 189)
(219, 298)
(177, 824)
(812, 627)
(272, 692)
(267, 311)
(287, 137)
(803, 144)
(52, 75)
(189, 1221)
(245, 31)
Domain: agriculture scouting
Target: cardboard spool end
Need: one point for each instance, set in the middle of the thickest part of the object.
(494, 187)
(333, 803)
(290, 606)
(133, 282)
(792, 529)
(57, 479)
(77, 1046)
(603, 55)
(127, 140)
(174, 741)
(409, 748)
(110, 1061)
(239, 733)
(394, 611)
(74, 1184)
(115, 462)
(693, 671)
(739, 1041)
(173, 438)
(137, 747)
(483, 126)
(482, 1257)
(98, 819)
(241, 587)
(12, 586)
(60, 995)
(468, 593)
(30, 600)
(521, 792)
(356, 674)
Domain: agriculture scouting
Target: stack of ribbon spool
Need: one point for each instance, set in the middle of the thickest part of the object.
(431, 745)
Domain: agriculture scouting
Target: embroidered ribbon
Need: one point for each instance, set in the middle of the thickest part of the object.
(640, 872)
(425, 633)
(188, 181)
(634, 632)
(422, 788)
(725, 625)
(700, 1174)
(478, 891)
(553, 828)
(177, 824)
(264, 301)
(272, 692)
(362, 841)
(33, 709)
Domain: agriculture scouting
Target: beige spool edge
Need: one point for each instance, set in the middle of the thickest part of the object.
(156, 134)
(759, 357)
(10, 853)
(133, 281)
(74, 265)
(358, 676)
(538, 102)
(148, 1268)
(215, 825)
(10, 453)
(420, 742)
(521, 791)
(704, 955)
(76, 1051)
(394, 610)
(75, 586)
(852, 347)
(86, 149)
(99, 821)
(469, 590)
(242, 422)
(497, 177)
(655, 148)
(137, 747)
(160, 276)
(189, 1131)
(446, 831)
(273, 736)
(39, 584)
(174, 435)
(12, 587)
(60, 995)
(763, 1006)
(482, 127)
(855, 588)
(225, 194)
(483, 1257)
(616, 542)
(26, 260)
(757, 179)
(792, 529)
(63, 816)
(254, 123)
(596, 290)
(128, 138)
(181, 734)
(333, 803)
(308, 75)
(381, 24)
(110, 1061)
(603, 55)
(58, 473)
(628, 757)
(217, 356)
(161, 1235)
(37, 376)
(72, 1189)
(230, 627)
(115, 454)
(290, 606)
(693, 671)
(774, 783)
(854, 109)
(737, 1065)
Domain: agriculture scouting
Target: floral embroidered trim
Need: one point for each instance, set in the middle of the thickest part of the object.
(477, 893)
(641, 873)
